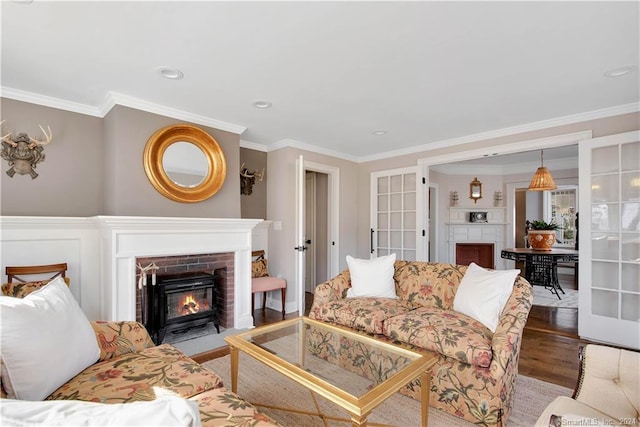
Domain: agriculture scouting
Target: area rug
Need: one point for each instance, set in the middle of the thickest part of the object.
(543, 296)
(265, 387)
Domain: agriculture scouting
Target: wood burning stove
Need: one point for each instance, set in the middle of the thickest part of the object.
(181, 302)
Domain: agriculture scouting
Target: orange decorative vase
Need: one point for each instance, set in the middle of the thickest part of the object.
(542, 240)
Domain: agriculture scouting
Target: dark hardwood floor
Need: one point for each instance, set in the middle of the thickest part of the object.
(550, 346)
(549, 350)
(550, 343)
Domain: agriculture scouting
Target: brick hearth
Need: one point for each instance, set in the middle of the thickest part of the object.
(221, 264)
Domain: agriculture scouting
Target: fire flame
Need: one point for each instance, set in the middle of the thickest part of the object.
(190, 305)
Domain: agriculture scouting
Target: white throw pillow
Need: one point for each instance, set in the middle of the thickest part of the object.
(173, 411)
(372, 277)
(45, 340)
(482, 294)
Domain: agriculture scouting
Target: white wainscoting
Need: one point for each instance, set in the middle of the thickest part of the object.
(51, 240)
(101, 252)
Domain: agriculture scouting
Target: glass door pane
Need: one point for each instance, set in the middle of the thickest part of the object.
(610, 311)
(394, 225)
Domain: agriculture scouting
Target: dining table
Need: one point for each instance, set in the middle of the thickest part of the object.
(541, 267)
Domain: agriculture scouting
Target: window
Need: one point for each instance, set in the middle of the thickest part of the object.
(561, 208)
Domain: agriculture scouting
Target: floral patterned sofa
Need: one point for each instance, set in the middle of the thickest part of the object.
(131, 365)
(474, 377)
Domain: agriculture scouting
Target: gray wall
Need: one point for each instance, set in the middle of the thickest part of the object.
(94, 167)
(71, 175)
(133, 194)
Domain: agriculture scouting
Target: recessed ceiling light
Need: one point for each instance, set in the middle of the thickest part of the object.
(170, 73)
(619, 72)
(262, 104)
(379, 132)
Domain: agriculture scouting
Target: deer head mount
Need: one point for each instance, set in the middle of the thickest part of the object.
(24, 152)
(247, 179)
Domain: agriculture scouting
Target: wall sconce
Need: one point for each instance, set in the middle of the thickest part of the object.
(497, 198)
(24, 152)
(453, 198)
(475, 190)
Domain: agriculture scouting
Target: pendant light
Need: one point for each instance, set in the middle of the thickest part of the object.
(542, 179)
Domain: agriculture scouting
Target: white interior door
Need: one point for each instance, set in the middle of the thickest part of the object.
(300, 247)
(609, 240)
(310, 231)
(396, 220)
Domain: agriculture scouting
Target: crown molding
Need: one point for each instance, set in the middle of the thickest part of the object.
(49, 101)
(312, 148)
(513, 130)
(114, 98)
(253, 145)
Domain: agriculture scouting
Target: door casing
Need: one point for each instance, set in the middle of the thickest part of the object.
(333, 207)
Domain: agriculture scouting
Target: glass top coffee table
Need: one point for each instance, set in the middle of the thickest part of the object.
(292, 348)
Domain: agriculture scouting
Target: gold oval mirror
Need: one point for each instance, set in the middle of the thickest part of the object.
(184, 163)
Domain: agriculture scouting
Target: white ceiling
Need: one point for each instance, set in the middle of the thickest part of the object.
(429, 73)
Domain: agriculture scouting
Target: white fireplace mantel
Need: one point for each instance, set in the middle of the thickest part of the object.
(101, 253)
(461, 230)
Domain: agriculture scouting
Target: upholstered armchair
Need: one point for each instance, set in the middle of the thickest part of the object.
(607, 393)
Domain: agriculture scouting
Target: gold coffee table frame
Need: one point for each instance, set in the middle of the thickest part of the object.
(358, 407)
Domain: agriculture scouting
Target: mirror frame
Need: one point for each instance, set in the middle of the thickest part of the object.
(154, 152)
(475, 187)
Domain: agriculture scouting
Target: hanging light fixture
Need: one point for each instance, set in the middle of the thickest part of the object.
(542, 179)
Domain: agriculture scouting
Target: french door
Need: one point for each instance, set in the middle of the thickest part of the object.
(397, 200)
(609, 239)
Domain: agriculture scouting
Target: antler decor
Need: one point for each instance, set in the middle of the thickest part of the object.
(47, 137)
(24, 152)
(247, 179)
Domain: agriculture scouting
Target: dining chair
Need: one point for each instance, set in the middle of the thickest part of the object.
(262, 282)
(20, 286)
